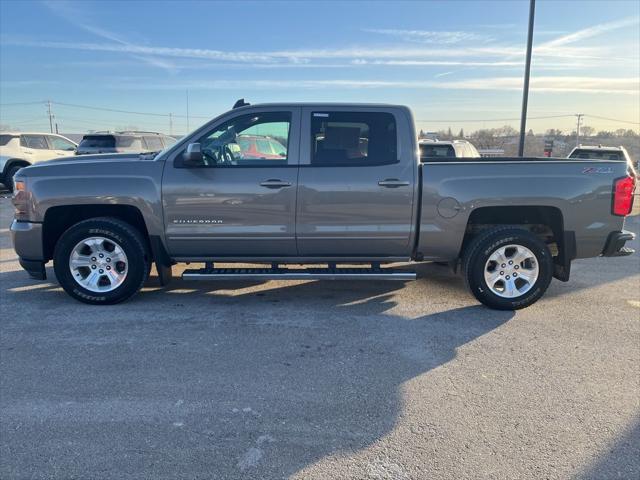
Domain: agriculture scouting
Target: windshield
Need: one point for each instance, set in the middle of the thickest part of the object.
(597, 154)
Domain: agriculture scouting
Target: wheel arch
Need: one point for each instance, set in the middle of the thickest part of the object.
(545, 221)
(59, 218)
(11, 162)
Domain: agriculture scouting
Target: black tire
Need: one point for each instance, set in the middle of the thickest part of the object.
(126, 236)
(482, 247)
(8, 181)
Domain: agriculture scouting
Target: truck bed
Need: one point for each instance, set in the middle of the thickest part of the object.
(576, 190)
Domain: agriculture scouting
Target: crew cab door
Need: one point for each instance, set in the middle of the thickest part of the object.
(356, 183)
(241, 202)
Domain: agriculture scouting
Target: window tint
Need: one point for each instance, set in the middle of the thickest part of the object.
(353, 138)
(58, 143)
(247, 141)
(98, 141)
(428, 151)
(38, 142)
(4, 139)
(130, 142)
(154, 144)
(597, 154)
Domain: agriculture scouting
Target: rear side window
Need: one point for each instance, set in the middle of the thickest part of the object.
(98, 141)
(353, 138)
(154, 144)
(4, 139)
(437, 151)
(37, 142)
(128, 141)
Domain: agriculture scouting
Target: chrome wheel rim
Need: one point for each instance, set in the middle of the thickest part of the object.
(511, 271)
(98, 264)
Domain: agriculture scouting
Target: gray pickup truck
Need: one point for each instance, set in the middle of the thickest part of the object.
(335, 188)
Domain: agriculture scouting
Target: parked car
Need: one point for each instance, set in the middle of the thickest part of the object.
(257, 146)
(510, 225)
(447, 149)
(124, 142)
(21, 149)
(599, 152)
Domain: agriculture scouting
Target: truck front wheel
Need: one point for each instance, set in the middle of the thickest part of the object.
(101, 261)
(507, 268)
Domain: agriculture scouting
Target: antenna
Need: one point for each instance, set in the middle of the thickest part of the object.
(240, 103)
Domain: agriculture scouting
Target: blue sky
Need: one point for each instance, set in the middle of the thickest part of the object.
(455, 63)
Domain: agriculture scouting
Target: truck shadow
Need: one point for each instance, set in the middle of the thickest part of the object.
(280, 380)
(621, 461)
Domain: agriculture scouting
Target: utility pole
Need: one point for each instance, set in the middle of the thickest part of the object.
(579, 117)
(527, 73)
(50, 115)
(170, 123)
(187, 111)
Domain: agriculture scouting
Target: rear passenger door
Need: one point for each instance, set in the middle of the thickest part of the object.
(356, 183)
(35, 148)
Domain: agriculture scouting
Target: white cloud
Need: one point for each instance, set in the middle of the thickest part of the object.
(590, 32)
(431, 36)
(624, 86)
(77, 17)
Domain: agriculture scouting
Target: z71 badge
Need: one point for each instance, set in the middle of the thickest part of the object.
(596, 170)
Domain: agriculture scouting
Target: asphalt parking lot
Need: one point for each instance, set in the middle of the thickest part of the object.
(321, 380)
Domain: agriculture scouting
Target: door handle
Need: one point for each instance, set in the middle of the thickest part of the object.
(275, 183)
(392, 183)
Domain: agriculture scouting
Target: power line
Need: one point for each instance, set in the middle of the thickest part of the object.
(492, 119)
(89, 107)
(613, 119)
(16, 104)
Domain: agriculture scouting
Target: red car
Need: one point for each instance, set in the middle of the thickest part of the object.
(257, 146)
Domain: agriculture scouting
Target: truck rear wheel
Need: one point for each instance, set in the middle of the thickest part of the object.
(101, 261)
(507, 268)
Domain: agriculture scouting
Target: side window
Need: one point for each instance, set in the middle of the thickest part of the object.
(154, 144)
(248, 141)
(38, 142)
(168, 141)
(129, 142)
(58, 143)
(353, 138)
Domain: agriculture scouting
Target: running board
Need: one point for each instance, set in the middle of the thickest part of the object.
(297, 274)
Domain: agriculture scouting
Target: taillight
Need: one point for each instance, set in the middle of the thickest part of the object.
(623, 195)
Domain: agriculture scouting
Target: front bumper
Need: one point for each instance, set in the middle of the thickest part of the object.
(615, 244)
(27, 242)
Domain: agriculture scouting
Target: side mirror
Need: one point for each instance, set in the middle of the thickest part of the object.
(193, 156)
